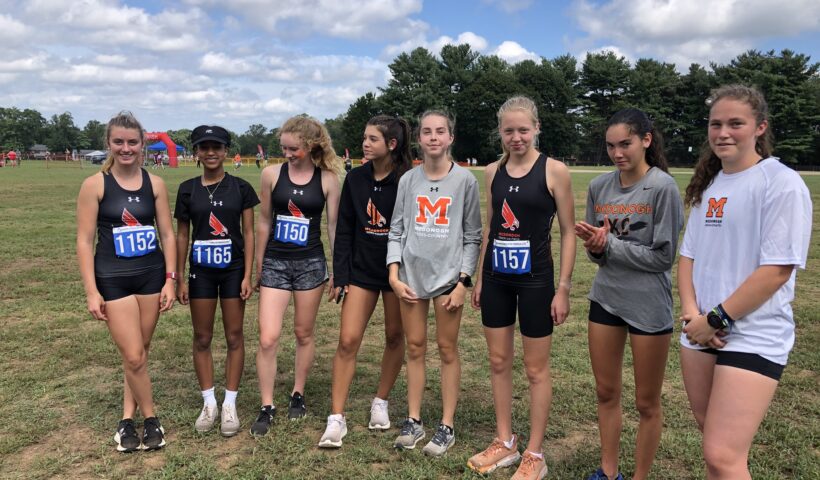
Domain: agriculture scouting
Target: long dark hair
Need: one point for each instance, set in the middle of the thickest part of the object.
(638, 123)
(709, 164)
(395, 128)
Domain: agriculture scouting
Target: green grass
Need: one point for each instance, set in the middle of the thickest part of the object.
(60, 378)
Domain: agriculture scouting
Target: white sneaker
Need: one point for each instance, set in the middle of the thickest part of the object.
(230, 420)
(334, 433)
(379, 419)
(207, 417)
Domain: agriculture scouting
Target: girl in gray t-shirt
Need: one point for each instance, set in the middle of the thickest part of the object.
(633, 219)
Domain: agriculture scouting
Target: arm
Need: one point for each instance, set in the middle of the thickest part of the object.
(471, 242)
(247, 237)
(88, 205)
(183, 236)
(343, 243)
(330, 182)
(401, 289)
(560, 185)
(660, 255)
(263, 226)
(594, 238)
(166, 233)
(489, 175)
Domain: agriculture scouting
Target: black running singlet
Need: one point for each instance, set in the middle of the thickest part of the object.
(216, 229)
(127, 239)
(518, 248)
(297, 216)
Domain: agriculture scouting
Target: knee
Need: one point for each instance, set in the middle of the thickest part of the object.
(416, 349)
(648, 408)
(135, 361)
(723, 461)
(537, 374)
(202, 342)
(500, 364)
(235, 340)
(448, 352)
(304, 336)
(268, 343)
(608, 394)
(394, 341)
(348, 346)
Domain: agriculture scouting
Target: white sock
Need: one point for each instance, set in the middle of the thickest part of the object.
(230, 397)
(537, 455)
(509, 443)
(336, 416)
(208, 396)
(379, 401)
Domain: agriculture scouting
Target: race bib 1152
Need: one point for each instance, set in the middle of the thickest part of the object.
(134, 241)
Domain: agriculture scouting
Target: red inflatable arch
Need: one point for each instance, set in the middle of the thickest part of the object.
(172, 147)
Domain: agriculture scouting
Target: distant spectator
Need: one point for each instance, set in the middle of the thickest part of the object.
(12, 156)
(237, 161)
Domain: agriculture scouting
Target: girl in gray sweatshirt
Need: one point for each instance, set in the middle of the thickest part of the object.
(432, 248)
(633, 219)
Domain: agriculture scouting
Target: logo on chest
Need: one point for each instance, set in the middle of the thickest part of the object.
(437, 209)
(511, 223)
(219, 230)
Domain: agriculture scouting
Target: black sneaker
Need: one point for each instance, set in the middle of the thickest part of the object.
(153, 435)
(126, 437)
(261, 426)
(297, 408)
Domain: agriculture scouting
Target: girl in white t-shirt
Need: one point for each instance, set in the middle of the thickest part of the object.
(748, 230)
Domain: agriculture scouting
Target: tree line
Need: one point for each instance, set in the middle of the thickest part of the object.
(574, 102)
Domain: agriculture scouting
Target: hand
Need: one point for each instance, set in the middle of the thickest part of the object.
(594, 238)
(475, 298)
(330, 288)
(245, 291)
(96, 306)
(560, 306)
(258, 282)
(334, 293)
(403, 291)
(698, 331)
(167, 296)
(455, 300)
(182, 292)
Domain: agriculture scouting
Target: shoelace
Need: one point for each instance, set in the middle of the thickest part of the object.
(128, 429)
(440, 438)
(407, 427)
(228, 414)
(264, 416)
(210, 414)
(529, 463)
(495, 447)
(377, 408)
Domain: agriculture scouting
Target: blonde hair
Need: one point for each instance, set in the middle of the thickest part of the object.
(518, 103)
(316, 140)
(124, 119)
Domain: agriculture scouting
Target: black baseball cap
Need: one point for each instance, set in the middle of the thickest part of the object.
(203, 133)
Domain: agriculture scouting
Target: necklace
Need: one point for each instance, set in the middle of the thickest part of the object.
(210, 193)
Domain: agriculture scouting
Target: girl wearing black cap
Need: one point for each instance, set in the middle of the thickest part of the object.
(220, 208)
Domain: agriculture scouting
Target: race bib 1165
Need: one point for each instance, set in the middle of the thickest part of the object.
(211, 253)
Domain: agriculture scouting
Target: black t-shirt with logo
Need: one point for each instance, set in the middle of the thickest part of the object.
(214, 219)
(365, 212)
(297, 217)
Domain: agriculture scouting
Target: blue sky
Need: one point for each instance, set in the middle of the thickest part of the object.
(180, 63)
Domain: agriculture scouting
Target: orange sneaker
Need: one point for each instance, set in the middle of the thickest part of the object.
(497, 455)
(531, 468)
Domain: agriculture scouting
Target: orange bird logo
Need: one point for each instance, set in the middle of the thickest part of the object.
(376, 218)
(129, 220)
(510, 222)
(219, 229)
(294, 210)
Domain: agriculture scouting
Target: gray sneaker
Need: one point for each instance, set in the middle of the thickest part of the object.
(442, 440)
(206, 418)
(230, 420)
(411, 433)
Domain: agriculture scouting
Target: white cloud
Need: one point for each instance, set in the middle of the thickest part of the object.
(686, 31)
(218, 62)
(14, 31)
(476, 42)
(32, 63)
(510, 6)
(364, 19)
(512, 52)
(111, 59)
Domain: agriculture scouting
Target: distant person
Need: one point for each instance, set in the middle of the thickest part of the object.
(214, 213)
(128, 279)
(348, 165)
(749, 231)
(237, 161)
(12, 156)
(259, 160)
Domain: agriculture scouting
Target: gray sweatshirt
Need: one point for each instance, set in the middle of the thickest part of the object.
(634, 275)
(435, 233)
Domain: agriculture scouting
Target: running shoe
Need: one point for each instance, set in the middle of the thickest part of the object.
(126, 436)
(153, 435)
(600, 475)
(230, 420)
(262, 423)
(334, 433)
(497, 455)
(296, 407)
(411, 433)
(379, 419)
(207, 417)
(531, 468)
(442, 440)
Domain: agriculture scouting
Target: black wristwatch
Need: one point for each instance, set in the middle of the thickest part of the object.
(718, 318)
(465, 280)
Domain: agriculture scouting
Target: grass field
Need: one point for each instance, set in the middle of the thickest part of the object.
(60, 377)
